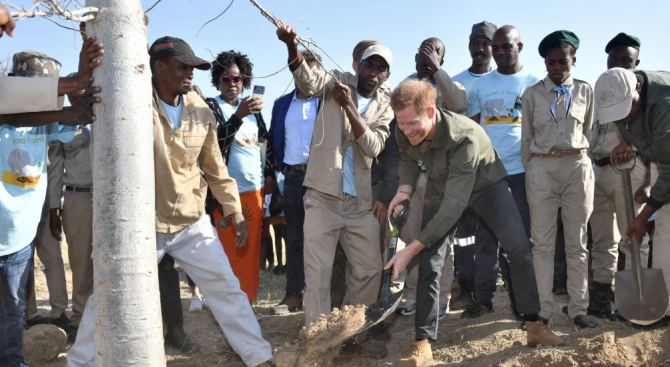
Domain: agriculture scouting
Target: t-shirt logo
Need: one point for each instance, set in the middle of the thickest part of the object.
(25, 172)
(495, 112)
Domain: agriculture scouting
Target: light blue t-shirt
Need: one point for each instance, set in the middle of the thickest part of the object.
(244, 158)
(348, 169)
(24, 180)
(497, 98)
(174, 114)
(467, 80)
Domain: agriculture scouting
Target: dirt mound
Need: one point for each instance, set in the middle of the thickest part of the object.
(320, 344)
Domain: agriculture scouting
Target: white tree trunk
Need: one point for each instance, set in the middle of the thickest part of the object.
(128, 327)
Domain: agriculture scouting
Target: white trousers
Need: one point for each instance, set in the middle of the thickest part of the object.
(198, 250)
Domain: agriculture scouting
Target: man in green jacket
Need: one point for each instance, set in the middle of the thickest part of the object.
(639, 103)
(464, 170)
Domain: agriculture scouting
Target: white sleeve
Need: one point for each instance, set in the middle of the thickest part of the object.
(21, 95)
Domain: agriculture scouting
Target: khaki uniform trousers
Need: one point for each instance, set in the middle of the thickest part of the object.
(569, 179)
(49, 252)
(661, 252)
(327, 220)
(78, 227)
(608, 221)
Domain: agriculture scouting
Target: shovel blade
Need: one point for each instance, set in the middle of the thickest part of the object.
(654, 302)
(376, 312)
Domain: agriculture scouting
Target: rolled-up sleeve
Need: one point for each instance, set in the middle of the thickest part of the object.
(313, 82)
(23, 95)
(373, 140)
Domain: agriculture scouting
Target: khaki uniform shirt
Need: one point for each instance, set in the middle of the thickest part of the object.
(604, 138)
(450, 94)
(333, 132)
(461, 164)
(186, 162)
(541, 133)
(70, 165)
(22, 95)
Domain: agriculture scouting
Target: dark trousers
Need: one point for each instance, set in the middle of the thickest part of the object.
(488, 257)
(497, 211)
(294, 211)
(168, 285)
(464, 255)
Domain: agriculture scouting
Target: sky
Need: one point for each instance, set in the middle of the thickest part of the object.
(337, 25)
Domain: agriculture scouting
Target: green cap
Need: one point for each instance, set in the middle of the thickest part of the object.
(556, 36)
(30, 63)
(623, 39)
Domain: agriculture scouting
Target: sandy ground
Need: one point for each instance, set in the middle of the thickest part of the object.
(491, 340)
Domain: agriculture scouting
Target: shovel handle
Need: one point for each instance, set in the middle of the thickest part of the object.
(632, 241)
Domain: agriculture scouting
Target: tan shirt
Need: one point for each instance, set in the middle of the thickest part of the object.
(450, 94)
(70, 165)
(186, 162)
(15, 92)
(540, 133)
(604, 138)
(333, 132)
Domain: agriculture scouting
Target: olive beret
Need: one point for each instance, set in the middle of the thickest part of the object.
(556, 36)
(623, 39)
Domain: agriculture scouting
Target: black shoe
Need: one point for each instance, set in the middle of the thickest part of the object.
(279, 269)
(599, 303)
(63, 322)
(564, 309)
(367, 348)
(72, 335)
(583, 322)
(523, 326)
(38, 320)
(461, 302)
(664, 322)
(560, 290)
(476, 310)
(380, 333)
(288, 305)
(176, 338)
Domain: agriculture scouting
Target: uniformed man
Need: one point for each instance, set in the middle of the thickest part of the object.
(608, 200)
(639, 103)
(463, 171)
(557, 114)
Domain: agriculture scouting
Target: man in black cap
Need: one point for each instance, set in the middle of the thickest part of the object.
(185, 145)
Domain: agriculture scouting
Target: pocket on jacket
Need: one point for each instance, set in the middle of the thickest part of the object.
(576, 124)
(192, 148)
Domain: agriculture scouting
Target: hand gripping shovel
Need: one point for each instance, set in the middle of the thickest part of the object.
(381, 309)
(640, 293)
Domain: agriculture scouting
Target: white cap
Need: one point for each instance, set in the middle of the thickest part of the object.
(380, 50)
(614, 94)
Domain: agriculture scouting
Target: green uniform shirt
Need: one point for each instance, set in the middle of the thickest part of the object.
(650, 132)
(461, 163)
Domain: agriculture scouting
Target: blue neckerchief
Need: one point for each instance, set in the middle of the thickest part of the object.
(558, 91)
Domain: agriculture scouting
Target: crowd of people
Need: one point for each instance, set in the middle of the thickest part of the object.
(476, 155)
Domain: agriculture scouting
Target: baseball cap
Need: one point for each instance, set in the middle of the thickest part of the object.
(614, 94)
(167, 46)
(483, 30)
(31, 63)
(380, 50)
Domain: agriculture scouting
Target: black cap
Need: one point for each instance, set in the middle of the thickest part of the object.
(483, 30)
(556, 36)
(623, 39)
(167, 46)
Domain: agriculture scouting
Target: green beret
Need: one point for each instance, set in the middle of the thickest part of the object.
(623, 39)
(556, 36)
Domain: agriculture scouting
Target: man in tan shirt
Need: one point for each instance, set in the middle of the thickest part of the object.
(185, 145)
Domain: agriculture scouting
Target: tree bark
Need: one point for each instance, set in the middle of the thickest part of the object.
(128, 327)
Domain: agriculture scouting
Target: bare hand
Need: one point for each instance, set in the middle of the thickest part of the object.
(637, 227)
(241, 229)
(394, 209)
(7, 23)
(428, 55)
(249, 106)
(269, 185)
(381, 211)
(621, 153)
(287, 34)
(82, 113)
(643, 194)
(55, 224)
(89, 52)
(399, 262)
(342, 94)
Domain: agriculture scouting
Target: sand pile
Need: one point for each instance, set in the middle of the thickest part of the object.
(321, 343)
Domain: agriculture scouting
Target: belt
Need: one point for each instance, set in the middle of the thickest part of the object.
(602, 162)
(297, 167)
(78, 189)
(560, 154)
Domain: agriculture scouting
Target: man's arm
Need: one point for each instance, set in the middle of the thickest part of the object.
(452, 92)
(527, 131)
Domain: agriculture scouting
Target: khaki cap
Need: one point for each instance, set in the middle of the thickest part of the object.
(614, 94)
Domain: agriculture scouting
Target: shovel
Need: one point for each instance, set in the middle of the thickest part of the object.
(380, 310)
(640, 293)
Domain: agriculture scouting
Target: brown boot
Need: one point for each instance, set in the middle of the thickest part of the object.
(418, 354)
(538, 333)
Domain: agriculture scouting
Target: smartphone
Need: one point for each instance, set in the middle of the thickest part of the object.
(259, 91)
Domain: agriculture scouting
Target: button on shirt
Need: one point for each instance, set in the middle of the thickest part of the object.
(299, 124)
(348, 169)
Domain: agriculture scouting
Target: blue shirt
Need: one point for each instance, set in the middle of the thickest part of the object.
(348, 169)
(24, 181)
(244, 159)
(174, 114)
(299, 126)
(497, 98)
(467, 80)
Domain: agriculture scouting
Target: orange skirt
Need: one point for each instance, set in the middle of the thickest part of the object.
(245, 261)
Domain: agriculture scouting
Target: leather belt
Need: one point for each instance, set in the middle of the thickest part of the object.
(560, 154)
(602, 162)
(78, 189)
(297, 167)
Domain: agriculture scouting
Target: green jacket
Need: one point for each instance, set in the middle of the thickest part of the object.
(650, 132)
(461, 164)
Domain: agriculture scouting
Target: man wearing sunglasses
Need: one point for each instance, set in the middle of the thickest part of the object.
(185, 145)
(350, 130)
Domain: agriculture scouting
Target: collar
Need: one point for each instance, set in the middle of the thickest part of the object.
(295, 97)
(549, 84)
(187, 106)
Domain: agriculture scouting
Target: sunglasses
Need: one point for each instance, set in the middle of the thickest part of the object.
(228, 80)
